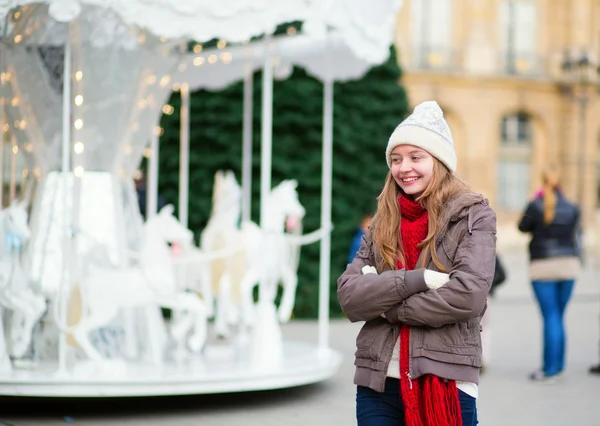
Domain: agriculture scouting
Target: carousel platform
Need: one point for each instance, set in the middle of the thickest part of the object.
(218, 370)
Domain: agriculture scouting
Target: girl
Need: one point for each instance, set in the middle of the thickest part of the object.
(420, 281)
(553, 223)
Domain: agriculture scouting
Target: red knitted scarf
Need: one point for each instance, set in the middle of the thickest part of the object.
(428, 400)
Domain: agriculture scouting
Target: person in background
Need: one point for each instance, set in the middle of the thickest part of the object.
(420, 281)
(360, 231)
(553, 223)
(486, 320)
(141, 190)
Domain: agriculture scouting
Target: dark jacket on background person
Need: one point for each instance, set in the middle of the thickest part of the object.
(558, 239)
(445, 323)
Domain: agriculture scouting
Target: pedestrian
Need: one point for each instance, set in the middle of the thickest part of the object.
(360, 231)
(420, 282)
(554, 251)
(486, 320)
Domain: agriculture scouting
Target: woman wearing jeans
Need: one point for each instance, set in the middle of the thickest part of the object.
(554, 253)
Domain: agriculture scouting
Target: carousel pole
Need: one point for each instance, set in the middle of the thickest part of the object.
(152, 178)
(247, 145)
(326, 195)
(184, 155)
(65, 165)
(12, 186)
(266, 141)
(3, 120)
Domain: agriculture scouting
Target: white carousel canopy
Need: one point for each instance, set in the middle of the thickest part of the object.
(366, 28)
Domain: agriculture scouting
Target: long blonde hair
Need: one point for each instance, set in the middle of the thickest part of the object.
(550, 181)
(442, 186)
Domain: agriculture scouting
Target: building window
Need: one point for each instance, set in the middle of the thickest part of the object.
(518, 36)
(514, 169)
(432, 33)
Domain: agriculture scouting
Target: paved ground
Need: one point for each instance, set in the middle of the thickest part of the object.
(507, 398)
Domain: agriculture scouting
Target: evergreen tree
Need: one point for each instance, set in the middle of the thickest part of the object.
(365, 113)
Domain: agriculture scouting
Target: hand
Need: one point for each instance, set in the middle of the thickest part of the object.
(369, 270)
(435, 280)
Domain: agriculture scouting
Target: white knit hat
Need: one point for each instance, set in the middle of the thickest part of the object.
(427, 129)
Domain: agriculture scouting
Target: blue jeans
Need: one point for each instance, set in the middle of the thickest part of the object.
(552, 297)
(386, 408)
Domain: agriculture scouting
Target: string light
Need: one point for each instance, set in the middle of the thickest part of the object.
(168, 109)
(291, 31)
(16, 15)
(15, 149)
(78, 100)
(78, 147)
(23, 125)
(78, 123)
(78, 171)
(18, 38)
(221, 44)
(15, 102)
(78, 75)
(159, 131)
(137, 175)
(166, 79)
(176, 87)
(25, 173)
(6, 128)
(198, 61)
(226, 57)
(212, 59)
(197, 48)
(148, 153)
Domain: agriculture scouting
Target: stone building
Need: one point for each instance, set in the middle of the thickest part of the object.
(497, 69)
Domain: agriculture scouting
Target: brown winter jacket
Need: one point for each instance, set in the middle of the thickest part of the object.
(445, 323)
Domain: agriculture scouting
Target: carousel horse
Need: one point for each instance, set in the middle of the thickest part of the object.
(15, 294)
(250, 255)
(151, 283)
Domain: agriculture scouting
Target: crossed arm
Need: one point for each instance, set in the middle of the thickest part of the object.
(427, 298)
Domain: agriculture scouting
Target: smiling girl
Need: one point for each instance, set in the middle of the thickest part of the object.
(420, 281)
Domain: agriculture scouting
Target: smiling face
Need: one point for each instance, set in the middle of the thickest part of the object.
(412, 169)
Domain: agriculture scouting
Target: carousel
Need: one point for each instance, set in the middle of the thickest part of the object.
(83, 276)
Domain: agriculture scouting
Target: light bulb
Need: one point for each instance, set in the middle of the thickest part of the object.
(78, 100)
(78, 75)
(197, 48)
(78, 147)
(78, 123)
(78, 171)
(15, 149)
(18, 38)
(199, 60)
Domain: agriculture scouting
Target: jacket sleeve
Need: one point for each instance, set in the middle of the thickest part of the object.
(364, 297)
(528, 220)
(464, 296)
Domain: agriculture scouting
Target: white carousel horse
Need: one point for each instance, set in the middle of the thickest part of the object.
(15, 293)
(250, 255)
(151, 283)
